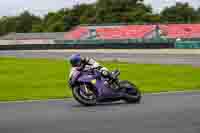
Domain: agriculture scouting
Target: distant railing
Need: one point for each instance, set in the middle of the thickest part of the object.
(187, 44)
(116, 41)
(98, 44)
(26, 41)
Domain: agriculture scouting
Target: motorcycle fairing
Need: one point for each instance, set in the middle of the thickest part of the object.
(101, 89)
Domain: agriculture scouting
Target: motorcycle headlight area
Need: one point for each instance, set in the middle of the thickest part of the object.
(94, 81)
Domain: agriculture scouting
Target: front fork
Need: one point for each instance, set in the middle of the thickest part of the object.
(86, 90)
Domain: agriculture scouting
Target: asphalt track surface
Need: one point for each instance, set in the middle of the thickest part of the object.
(165, 113)
(149, 58)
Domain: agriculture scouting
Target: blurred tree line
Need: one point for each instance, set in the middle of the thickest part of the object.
(101, 12)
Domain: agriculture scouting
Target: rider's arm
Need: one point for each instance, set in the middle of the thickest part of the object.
(91, 62)
(94, 64)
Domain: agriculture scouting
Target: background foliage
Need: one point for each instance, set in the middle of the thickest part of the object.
(103, 11)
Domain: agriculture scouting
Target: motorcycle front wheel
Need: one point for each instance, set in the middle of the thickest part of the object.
(86, 99)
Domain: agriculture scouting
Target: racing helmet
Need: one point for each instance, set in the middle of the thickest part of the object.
(75, 60)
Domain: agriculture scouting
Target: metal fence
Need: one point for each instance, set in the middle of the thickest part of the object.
(187, 44)
(93, 44)
(97, 44)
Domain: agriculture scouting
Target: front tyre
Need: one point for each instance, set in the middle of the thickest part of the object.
(133, 94)
(82, 98)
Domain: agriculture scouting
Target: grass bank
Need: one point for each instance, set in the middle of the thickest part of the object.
(25, 79)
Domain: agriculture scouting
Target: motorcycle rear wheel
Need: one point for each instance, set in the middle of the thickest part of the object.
(133, 94)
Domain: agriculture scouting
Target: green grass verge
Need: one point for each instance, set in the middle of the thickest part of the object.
(25, 79)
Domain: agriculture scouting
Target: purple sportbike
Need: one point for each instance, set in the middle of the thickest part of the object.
(90, 87)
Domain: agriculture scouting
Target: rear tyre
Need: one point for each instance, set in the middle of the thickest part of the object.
(133, 94)
(83, 98)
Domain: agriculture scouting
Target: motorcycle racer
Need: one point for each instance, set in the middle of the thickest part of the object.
(85, 63)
